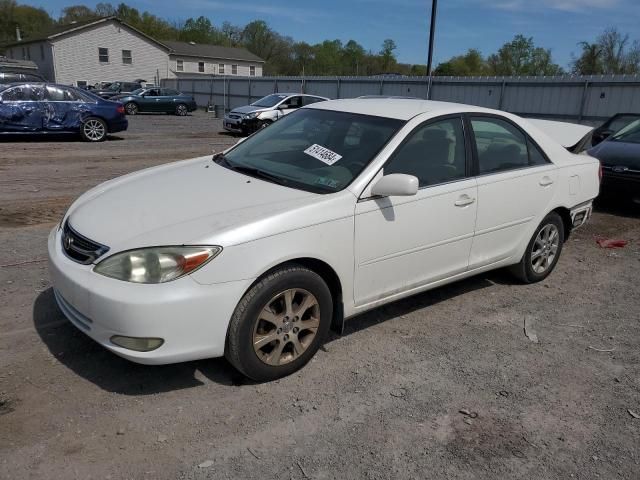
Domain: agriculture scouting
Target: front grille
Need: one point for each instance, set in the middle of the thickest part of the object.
(234, 116)
(79, 248)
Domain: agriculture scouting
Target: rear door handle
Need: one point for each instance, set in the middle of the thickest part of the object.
(464, 200)
(545, 182)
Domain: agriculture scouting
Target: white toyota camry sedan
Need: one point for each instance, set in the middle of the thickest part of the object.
(257, 252)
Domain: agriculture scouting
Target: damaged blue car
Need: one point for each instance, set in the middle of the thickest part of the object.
(44, 108)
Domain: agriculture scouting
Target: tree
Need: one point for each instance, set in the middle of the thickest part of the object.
(611, 53)
(522, 57)
(388, 57)
(76, 13)
(590, 61)
(105, 10)
(32, 21)
(470, 64)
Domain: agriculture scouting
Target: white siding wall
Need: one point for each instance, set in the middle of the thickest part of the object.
(212, 66)
(76, 56)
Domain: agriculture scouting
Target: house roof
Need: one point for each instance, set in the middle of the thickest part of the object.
(204, 50)
(60, 30)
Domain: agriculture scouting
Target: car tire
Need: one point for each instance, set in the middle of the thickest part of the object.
(543, 251)
(131, 108)
(93, 129)
(266, 338)
(181, 110)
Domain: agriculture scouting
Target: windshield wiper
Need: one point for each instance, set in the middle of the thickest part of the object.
(221, 159)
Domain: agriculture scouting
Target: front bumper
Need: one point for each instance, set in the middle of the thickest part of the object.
(240, 125)
(191, 318)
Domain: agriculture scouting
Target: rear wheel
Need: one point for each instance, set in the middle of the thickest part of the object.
(279, 324)
(93, 129)
(131, 108)
(181, 110)
(543, 251)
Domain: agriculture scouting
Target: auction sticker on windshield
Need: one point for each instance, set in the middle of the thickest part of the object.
(323, 154)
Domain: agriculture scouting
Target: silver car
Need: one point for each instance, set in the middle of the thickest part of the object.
(248, 119)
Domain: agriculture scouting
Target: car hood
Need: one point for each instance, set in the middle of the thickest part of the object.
(248, 109)
(191, 202)
(613, 153)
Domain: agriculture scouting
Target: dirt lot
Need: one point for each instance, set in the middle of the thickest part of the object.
(383, 401)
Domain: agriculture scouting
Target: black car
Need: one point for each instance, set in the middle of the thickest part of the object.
(7, 77)
(619, 156)
(611, 126)
(47, 108)
(118, 88)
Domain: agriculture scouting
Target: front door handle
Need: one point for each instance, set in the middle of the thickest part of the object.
(464, 200)
(546, 181)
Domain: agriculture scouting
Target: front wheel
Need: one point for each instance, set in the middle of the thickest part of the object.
(181, 110)
(279, 324)
(93, 129)
(543, 251)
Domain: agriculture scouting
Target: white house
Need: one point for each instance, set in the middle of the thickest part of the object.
(107, 49)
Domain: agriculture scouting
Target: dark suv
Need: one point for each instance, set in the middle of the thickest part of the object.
(118, 88)
(12, 77)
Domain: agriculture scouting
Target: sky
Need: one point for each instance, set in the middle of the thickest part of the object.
(461, 24)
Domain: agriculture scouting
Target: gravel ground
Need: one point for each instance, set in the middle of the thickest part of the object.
(442, 385)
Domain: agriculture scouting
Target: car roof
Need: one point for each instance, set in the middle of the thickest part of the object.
(399, 108)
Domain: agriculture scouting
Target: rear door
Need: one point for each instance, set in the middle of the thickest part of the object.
(21, 109)
(63, 109)
(516, 183)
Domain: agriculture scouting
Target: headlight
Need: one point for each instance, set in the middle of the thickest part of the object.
(156, 264)
(251, 115)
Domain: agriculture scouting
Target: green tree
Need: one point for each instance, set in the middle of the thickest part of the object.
(31, 21)
(470, 64)
(522, 57)
(387, 56)
(353, 55)
(590, 60)
(105, 10)
(76, 13)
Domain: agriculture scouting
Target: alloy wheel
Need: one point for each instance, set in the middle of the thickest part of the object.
(286, 326)
(132, 108)
(181, 110)
(545, 248)
(94, 130)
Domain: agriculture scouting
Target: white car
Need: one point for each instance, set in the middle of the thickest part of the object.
(264, 112)
(338, 208)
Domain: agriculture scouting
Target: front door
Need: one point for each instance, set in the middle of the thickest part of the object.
(402, 243)
(152, 101)
(516, 183)
(21, 109)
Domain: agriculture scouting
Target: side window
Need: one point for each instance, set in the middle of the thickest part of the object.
(536, 157)
(60, 94)
(501, 146)
(310, 100)
(168, 92)
(433, 152)
(23, 94)
(294, 102)
(103, 55)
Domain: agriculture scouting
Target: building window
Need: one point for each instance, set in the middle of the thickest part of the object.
(127, 58)
(201, 67)
(234, 69)
(41, 52)
(221, 69)
(179, 65)
(252, 71)
(103, 55)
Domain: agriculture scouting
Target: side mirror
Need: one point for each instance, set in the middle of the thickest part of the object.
(396, 184)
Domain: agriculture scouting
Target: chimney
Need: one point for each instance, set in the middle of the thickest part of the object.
(18, 34)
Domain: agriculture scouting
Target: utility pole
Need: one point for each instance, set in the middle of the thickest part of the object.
(432, 31)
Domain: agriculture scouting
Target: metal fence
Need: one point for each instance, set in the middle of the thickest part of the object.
(584, 99)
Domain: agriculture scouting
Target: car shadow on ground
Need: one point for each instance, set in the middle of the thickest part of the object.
(621, 207)
(111, 373)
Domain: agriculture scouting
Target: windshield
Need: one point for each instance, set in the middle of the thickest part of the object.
(629, 134)
(114, 87)
(138, 91)
(269, 100)
(319, 151)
